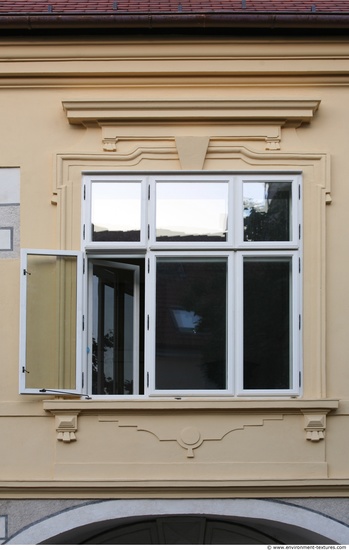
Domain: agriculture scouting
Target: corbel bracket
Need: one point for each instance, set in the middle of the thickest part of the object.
(315, 424)
(66, 425)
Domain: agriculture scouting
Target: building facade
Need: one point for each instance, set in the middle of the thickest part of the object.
(174, 267)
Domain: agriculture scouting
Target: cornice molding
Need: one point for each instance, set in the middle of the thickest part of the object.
(282, 112)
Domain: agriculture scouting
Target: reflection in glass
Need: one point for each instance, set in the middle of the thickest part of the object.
(51, 322)
(191, 211)
(191, 323)
(116, 211)
(267, 211)
(267, 323)
(112, 330)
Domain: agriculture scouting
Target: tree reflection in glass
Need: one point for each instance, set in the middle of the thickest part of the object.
(267, 211)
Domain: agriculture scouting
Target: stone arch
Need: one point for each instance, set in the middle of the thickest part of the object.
(281, 522)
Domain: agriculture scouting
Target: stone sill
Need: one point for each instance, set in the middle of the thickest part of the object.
(95, 406)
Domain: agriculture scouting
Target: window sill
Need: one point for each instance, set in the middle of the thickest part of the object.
(189, 403)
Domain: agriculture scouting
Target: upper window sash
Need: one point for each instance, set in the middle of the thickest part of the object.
(270, 206)
(191, 211)
(51, 322)
(115, 213)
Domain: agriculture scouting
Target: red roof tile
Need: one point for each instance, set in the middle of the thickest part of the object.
(170, 6)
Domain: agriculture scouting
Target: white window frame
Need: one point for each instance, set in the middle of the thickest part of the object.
(295, 324)
(148, 249)
(235, 248)
(86, 236)
(151, 332)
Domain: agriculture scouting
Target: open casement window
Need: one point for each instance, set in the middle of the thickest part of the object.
(114, 328)
(193, 284)
(51, 321)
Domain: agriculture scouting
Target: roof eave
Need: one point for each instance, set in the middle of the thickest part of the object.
(155, 21)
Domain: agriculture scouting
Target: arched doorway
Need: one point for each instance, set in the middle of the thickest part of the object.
(181, 521)
(187, 530)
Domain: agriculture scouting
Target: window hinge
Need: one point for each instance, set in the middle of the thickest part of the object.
(299, 231)
(148, 192)
(84, 192)
(147, 379)
(148, 231)
(299, 265)
(82, 380)
(300, 379)
(83, 322)
(83, 266)
(299, 191)
(148, 265)
(83, 232)
(300, 322)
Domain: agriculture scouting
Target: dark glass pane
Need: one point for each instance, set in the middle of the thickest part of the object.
(191, 323)
(112, 331)
(267, 324)
(191, 211)
(267, 211)
(116, 211)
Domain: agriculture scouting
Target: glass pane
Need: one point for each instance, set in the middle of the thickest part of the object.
(191, 323)
(112, 331)
(267, 211)
(191, 211)
(267, 323)
(116, 211)
(51, 322)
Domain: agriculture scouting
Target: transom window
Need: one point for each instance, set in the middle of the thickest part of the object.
(191, 287)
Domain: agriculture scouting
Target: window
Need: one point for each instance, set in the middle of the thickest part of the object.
(191, 287)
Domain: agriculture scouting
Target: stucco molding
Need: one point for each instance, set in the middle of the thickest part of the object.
(192, 436)
(153, 153)
(241, 119)
(160, 405)
(283, 112)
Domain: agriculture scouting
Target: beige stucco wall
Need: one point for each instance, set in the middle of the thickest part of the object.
(247, 447)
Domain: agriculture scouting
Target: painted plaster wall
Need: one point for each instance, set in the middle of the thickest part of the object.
(245, 449)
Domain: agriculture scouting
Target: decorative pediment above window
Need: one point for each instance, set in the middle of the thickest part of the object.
(246, 119)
